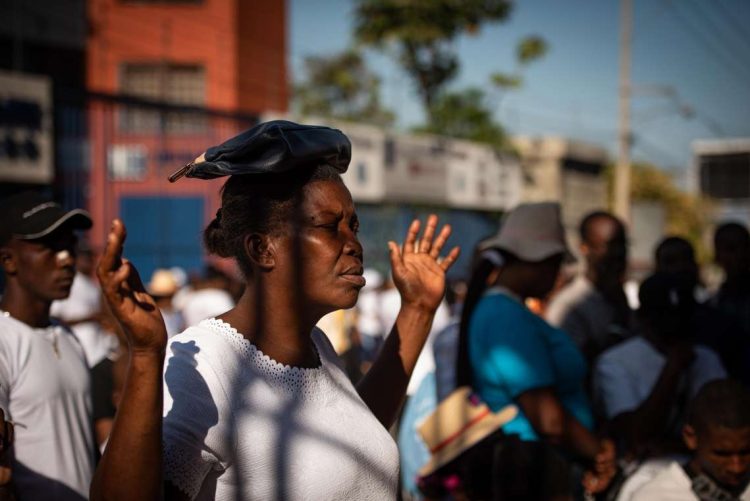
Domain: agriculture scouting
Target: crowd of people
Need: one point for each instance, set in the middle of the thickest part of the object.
(308, 376)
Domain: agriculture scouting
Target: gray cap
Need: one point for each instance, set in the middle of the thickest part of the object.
(531, 232)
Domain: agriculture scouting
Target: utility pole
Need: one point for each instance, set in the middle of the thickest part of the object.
(622, 172)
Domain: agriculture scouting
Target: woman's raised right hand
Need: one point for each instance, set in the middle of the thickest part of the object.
(123, 290)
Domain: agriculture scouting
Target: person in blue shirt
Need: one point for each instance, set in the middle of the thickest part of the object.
(507, 354)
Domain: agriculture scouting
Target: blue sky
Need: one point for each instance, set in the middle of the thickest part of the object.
(700, 49)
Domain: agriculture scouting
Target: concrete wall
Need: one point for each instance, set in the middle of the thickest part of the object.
(569, 172)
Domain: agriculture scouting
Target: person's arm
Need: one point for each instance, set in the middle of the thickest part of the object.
(6, 473)
(642, 425)
(419, 275)
(557, 426)
(131, 467)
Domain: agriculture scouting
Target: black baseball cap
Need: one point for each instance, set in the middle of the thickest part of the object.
(31, 215)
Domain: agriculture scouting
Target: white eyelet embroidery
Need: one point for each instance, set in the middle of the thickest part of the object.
(304, 382)
(331, 429)
(187, 476)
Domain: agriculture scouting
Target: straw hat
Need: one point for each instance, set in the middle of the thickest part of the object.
(162, 283)
(459, 422)
(531, 232)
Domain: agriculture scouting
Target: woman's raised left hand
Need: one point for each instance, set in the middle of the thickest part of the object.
(418, 269)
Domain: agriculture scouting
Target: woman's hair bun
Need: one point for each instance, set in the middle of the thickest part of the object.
(214, 239)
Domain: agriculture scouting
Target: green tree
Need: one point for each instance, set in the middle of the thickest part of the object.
(465, 115)
(341, 86)
(528, 50)
(422, 33)
(687, 215)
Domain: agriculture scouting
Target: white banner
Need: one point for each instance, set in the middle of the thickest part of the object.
(25, 128)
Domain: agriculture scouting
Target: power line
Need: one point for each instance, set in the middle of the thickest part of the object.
(739, 30)
(717, 29)
(728, 63)
(639, 142)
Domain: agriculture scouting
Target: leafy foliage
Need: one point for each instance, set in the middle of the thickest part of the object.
(341, 86)
(465, 115)
(422, 32)
(506, 81)
(688, 215)
(531, 49)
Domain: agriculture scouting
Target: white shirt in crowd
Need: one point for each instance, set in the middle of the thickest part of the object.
(582, 311)
(239, 424)
(390, 305)
(368, 315)
(369, 321)
(205, 303)
(673, 484)
(83, 302)
(45, 388)
(626, 374)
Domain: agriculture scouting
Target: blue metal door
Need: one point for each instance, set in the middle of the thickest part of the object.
(163, 232)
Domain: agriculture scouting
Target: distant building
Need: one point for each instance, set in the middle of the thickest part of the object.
(166, 80)
(394, 177)
(721, 172)
(389, 167)
(570, 172)
(42, 74)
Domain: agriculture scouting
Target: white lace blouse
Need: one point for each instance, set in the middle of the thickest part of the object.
(239, 425)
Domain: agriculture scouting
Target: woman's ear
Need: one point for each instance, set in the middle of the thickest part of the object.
(261, 251)
(7, 260)
(689, 437)
(584, 248)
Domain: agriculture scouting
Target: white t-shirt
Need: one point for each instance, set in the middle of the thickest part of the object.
(626, 374)
(368, 320)
(673, 484)
(48, 396)
(644, 474)
(390, 305)
(84, 301)
(426, 360)
(205, 303)
(238, 423)
(582, 311)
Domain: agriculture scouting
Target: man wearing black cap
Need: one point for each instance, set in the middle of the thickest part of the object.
(44, 380)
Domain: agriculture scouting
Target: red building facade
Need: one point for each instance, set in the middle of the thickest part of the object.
(173, 77)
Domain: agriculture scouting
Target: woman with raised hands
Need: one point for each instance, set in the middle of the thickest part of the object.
(252, 404)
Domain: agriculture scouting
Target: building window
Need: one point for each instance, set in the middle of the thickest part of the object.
(362, 173)
(390, 154)
(166, 83)
(127, 162)
(572, 164)
(725, 176)
(460, 183)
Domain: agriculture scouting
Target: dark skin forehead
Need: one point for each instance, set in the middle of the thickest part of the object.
(726, 440)
(604, 229)
(732, 237)
(326, 199)
(62, 238)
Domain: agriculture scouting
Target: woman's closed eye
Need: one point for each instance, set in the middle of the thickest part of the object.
(332, 226)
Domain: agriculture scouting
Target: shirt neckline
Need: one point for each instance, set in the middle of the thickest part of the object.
(237, 339)
(500, 289)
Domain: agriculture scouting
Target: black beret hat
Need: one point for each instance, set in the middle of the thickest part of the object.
(272, 147)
